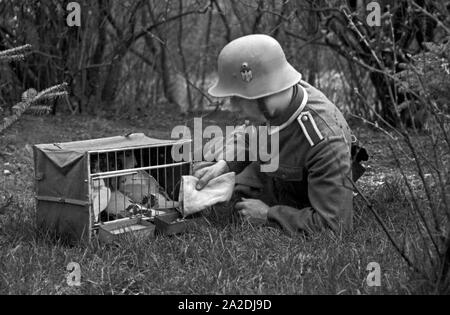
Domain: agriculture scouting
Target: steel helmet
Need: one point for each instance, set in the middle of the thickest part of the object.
(253, 67)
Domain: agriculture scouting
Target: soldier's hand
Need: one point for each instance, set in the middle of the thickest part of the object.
(205, 173)
(201, 165)
(253, 209)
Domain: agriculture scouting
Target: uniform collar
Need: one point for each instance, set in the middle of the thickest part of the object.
(297, 105)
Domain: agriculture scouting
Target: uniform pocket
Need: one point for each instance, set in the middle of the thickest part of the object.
(291, 188)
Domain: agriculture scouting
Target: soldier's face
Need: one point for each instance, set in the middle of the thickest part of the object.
(249, 108)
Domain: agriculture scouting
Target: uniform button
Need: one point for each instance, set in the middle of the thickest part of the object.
(305, 118)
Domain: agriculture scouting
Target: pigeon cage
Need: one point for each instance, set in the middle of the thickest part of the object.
(108, 186)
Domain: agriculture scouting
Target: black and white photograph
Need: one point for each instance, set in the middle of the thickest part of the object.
(225, 155)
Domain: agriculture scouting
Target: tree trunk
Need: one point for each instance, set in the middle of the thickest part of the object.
(183, 58)
(93, 74)
(113, 78)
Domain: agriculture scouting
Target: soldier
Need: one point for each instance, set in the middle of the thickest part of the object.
(311, 191)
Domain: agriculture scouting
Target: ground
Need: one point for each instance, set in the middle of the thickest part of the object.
(211, 259)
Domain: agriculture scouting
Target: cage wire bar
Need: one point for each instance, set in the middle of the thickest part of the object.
(133, 182)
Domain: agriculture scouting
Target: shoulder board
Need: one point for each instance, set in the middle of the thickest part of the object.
(310, 129)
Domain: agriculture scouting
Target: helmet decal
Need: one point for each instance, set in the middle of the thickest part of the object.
(246, 73)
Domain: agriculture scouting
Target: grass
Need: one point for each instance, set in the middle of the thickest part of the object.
(213, 258)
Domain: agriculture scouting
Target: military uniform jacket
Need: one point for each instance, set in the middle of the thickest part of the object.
(311, 190)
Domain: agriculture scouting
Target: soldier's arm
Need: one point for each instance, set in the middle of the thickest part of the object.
(329, 191)
(224, 154)
(234, 148)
